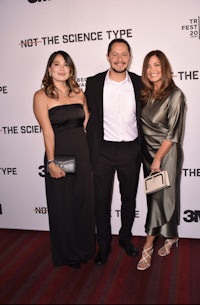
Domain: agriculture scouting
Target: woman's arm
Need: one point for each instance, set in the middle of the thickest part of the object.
(162, 151)
(85, 107)
(40, 109)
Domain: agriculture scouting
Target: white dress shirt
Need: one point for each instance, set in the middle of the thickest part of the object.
(119, 110)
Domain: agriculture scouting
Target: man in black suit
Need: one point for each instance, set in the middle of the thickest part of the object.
(113, 133)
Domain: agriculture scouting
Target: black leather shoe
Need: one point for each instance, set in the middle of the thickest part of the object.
(84, 261)
(130, 249)
(101, 257)
(75, 265)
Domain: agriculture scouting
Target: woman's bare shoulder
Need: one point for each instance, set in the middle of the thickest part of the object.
(40, 93)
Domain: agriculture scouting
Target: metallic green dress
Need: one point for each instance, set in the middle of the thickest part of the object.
(160, 121)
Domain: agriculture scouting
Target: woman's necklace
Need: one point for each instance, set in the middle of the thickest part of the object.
(63, 93)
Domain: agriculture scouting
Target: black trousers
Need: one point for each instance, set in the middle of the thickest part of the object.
(124, 159)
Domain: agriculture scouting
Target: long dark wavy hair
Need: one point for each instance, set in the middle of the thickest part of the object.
(167, 81)
(47, 82)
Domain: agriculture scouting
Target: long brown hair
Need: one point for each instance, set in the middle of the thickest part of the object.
(47, 82)
(167, 81)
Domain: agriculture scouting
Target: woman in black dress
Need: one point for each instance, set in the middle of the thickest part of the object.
(61, 109)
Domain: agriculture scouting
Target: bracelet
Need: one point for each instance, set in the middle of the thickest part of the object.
(50, 161)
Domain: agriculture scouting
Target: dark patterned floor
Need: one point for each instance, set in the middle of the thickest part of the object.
(28, 277)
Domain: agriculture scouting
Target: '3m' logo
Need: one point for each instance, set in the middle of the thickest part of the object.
(192, 216)
(33, 1)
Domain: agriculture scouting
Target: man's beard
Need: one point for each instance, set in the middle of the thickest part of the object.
(119, 71)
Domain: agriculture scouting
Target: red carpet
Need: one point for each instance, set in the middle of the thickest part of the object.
(28, 277)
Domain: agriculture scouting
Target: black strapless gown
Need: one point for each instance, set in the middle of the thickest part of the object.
(70, 199)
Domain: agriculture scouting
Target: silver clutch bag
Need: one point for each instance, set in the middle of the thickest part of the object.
(66, 163)
(156, 181)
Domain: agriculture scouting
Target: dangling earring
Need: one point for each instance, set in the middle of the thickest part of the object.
(49, 74)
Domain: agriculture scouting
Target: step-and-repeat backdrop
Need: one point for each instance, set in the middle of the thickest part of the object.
(30, 31)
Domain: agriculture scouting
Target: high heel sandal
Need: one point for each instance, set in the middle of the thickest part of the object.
(145, 261)
(165, 250)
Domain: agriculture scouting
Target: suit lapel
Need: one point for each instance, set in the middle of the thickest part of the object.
(99, 89)
(137, 88)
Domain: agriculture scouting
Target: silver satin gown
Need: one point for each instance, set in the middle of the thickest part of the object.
(160, 121)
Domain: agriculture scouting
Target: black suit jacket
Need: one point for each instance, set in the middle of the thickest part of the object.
(94, 96)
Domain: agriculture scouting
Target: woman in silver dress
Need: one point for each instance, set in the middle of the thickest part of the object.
(163, 115)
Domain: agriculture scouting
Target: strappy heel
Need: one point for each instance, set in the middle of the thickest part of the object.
(145, 261)
(165, 250)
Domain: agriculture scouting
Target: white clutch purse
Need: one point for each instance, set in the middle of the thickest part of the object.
(156, 181)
